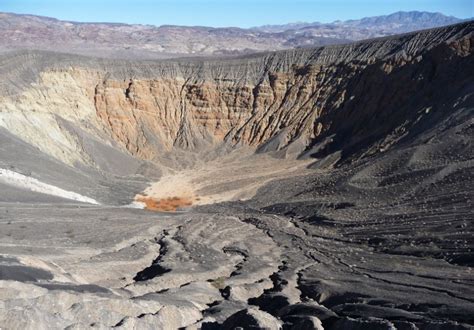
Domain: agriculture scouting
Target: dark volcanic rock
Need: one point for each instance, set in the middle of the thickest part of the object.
(251, 319)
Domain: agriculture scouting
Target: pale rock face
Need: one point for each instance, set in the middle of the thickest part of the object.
(34, 114)
(147, 117)
(180, 114)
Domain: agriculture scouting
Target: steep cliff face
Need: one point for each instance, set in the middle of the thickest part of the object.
(391, 102)
(341, 98)
(144, 114)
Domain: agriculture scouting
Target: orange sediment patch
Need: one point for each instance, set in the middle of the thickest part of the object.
(170, 204)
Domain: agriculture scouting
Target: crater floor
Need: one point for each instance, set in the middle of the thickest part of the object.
(232, 177)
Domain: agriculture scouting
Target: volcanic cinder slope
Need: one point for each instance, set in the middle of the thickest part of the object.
(329, 187)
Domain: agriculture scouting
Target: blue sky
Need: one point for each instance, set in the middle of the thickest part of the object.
(243, 13)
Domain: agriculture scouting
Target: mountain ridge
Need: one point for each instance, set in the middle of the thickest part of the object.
(118, 40)
(436, 18)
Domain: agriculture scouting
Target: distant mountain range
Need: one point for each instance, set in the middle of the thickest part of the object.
(398, 22)
(117, 40)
